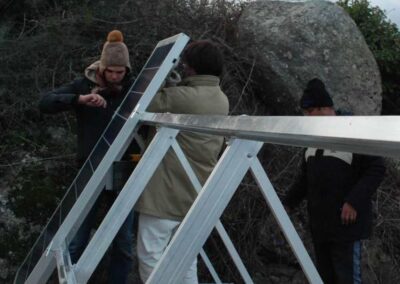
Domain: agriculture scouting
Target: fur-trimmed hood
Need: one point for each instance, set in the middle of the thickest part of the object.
(91, 71)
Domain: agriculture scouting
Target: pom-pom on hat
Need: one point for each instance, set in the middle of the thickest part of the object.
(115, 52)
(315, 95)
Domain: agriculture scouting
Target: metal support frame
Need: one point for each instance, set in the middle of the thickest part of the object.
(237, 159)
(373, 135)
(210, 267)
(57, 251)
(81, 208)
(47, 262)
(124, 203)
(65, 271)
(353, 134)
(161, 143)
(284, 222)
(219, 227)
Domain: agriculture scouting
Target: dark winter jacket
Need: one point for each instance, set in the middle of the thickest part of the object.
(91, 121)
(329, 179)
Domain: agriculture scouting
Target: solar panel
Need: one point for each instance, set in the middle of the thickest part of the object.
(154, 70)
(158, 56)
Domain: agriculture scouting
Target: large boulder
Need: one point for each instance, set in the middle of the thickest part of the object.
(294, 42)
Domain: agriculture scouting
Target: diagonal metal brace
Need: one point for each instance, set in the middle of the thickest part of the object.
(205, 212)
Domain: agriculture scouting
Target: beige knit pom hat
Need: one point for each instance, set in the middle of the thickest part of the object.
(115, 52)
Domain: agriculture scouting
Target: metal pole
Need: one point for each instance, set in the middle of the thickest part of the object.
(205, 212)
(45, 265)
(219, 227)
(124, 203)
(284, 222)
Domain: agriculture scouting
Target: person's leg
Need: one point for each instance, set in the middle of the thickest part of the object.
(152, 239)
(121, 253)
(357, 262)
(80, 241)
(191, 275)
(347, 262)
(324, 262)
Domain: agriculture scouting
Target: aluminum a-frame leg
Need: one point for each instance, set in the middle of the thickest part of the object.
(209, 206)
(219, 227)
(123, 205)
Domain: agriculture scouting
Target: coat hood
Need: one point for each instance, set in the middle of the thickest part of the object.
(91, 70)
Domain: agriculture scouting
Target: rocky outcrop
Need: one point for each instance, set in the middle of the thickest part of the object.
(297, 41)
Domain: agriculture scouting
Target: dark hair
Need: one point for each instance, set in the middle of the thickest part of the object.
(315, 95)
(205, 57)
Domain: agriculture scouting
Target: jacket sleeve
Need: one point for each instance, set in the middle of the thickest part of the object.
(62, 99)
(370, 171)
(159, 102)
(298, 190)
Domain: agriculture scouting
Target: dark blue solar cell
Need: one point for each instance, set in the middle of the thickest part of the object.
(138, 88)
(83, 177)
(67, 203)
(53, 225)
(24, 271)
(38, 250)
(129, 104)
(158, 56)
(143, 80)
(113, 129)
(98, 153)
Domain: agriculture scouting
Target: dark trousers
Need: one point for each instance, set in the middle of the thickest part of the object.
(121, 251)
(339, 263)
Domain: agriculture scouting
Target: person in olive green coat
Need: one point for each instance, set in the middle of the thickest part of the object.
(169, 194)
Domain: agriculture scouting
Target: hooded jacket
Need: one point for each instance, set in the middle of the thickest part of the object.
(169, 193)
(91, 121)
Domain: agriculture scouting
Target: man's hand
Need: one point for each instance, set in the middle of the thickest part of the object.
(92, 100)
(349, 214)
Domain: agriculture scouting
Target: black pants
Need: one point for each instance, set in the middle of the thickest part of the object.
(339, 263)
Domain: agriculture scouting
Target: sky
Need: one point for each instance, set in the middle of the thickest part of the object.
(392, 8)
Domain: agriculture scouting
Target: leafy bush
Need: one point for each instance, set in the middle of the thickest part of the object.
(383, 38)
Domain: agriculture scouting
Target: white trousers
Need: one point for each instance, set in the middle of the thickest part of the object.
(154, 234)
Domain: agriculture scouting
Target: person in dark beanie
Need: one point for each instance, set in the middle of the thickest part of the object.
(338, 187)
(169, 194)
(315, 95)
(94, 99)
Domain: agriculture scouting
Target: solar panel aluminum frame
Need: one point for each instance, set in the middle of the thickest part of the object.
(123, 205)
(351, 133)
(370, 135)
(239, 157)
(93, 188)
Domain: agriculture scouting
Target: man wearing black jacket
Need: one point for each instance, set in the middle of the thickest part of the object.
(338, 187)
(94, 98)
